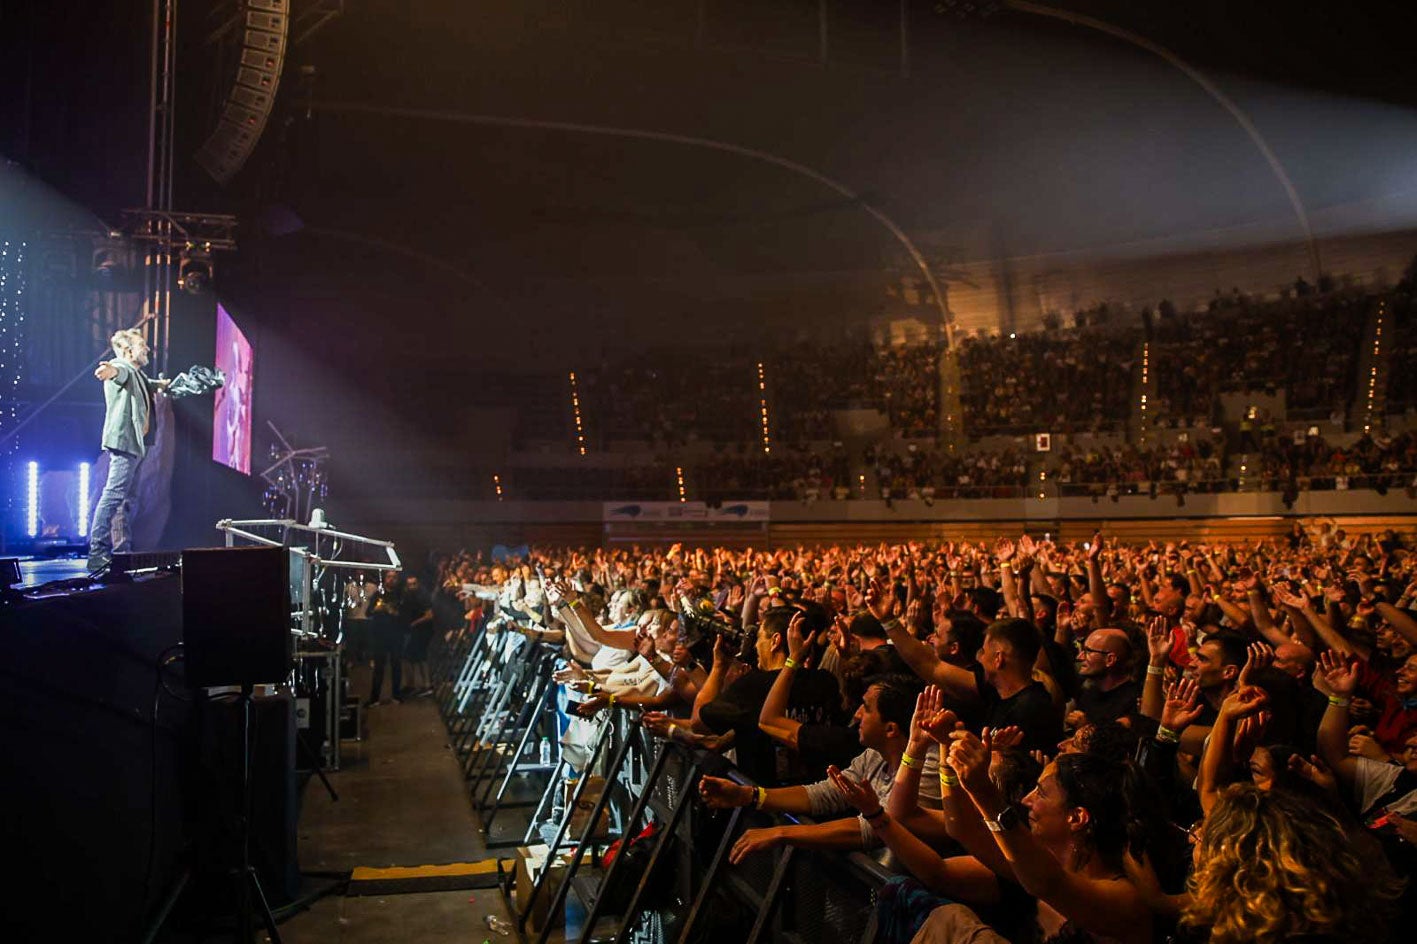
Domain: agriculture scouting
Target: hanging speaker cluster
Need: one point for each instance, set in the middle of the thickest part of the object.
(243, 117)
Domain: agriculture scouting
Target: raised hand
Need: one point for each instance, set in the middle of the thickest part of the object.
(796, 642)
(1315, 771)
(1258, 658)
(1004, 550)
(1006, 739)
(570, 673)
(927, 704)
(970, 757)
(858, 794)
(557, 591)
(915, 617)
(1095, 549)
(1158, 640)
(1182, 706)
(880, 599)
(1243, 702)
(1340, 675)
(939, 725)
(722, 654)
(1026, 547)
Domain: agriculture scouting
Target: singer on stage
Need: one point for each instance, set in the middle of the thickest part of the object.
(128, 399)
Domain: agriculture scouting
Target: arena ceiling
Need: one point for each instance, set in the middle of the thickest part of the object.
(1009, 135)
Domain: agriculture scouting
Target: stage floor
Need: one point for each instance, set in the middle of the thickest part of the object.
(37, 570)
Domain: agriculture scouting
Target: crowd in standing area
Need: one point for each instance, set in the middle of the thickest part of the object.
(1045, 741)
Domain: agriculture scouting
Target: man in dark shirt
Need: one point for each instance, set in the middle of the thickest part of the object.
(815, 699)
(1000, 689)
(1109, 688)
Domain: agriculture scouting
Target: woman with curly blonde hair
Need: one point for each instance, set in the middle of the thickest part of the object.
(1270, 866)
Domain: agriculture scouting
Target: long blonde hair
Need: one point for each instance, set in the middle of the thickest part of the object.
(1272, 865)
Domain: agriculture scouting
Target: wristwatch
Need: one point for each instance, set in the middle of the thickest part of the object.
(1007, 819)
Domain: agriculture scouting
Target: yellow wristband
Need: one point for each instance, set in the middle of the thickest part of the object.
(790, 664)
(612, 701)
(914, 763)
(760, 796)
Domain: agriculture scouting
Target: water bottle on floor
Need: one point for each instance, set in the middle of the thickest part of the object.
(545, 759)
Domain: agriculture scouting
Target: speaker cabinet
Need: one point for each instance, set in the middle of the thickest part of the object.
(253, 93)
(235, 616)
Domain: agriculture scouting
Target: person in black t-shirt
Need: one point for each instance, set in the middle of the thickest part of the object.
(387, 629)
(814, 699)
(1109, 689)
(416, 612)
(1000, 686)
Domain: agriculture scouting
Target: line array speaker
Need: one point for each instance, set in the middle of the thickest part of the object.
(248, 106)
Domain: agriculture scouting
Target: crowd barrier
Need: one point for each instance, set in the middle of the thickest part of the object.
(498, 700)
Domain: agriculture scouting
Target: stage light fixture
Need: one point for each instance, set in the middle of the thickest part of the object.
(194, 272)
(83, 499)
(32, 498)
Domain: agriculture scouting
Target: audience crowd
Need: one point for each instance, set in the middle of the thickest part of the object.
(1306, 462)
(1073, 382)
(1194, 465)
(1045, 742)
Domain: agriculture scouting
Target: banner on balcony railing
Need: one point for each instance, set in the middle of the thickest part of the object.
(685, 511)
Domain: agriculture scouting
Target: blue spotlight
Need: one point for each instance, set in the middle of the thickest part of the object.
(83, 499)
(32, 499)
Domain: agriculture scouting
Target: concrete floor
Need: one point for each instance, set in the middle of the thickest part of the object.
(402, 802)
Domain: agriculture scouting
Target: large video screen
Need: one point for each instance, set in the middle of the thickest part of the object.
(231, 429)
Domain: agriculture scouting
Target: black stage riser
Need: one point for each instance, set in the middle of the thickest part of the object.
(77, 761)
(89, 787)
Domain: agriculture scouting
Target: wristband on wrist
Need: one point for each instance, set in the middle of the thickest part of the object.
(791, 663)
(948, 777)
(1155, 670)
(891, 623)
(871, 817)
(1338, 701)
(1166, 736)
(760, 796)
(914, 763)
(612, 701)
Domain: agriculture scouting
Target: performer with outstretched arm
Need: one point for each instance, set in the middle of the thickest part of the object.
(128, 400)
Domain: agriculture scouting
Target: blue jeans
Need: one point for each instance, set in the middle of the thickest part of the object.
(109, 533)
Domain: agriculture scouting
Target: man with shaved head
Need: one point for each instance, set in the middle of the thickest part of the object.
(1109, 688)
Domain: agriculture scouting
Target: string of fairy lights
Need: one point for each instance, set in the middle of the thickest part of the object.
(12, 329)
(1373, 368)
(576, 414)
(1145, 379)
(763, 404)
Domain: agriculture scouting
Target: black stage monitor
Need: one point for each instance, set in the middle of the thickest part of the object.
(235, 616)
